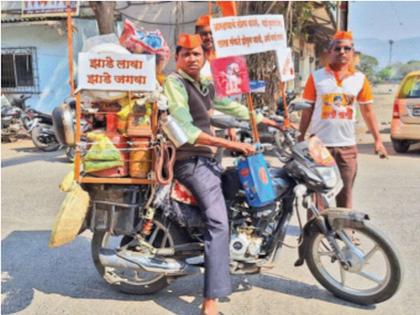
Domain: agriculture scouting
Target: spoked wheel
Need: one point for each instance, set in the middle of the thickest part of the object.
(127, 280)
(374, 274)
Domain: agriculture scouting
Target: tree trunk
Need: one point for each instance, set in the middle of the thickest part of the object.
(263, 66)
(104, 13)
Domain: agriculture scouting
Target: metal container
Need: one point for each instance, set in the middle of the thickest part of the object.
(174, 131)
(63, 124)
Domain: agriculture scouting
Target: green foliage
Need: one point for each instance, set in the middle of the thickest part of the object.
(412, 65)
(397, 71)
(368, 65)
(385, 74)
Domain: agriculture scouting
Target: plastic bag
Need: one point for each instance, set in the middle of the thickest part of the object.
(139, 41)
(94, 166)
(102, 149)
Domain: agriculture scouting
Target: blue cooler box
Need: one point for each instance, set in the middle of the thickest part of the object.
(255, 179)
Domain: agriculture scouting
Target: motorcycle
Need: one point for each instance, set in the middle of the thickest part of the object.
(14, 118)
(145, 238)
(42, 132)
(266, 133)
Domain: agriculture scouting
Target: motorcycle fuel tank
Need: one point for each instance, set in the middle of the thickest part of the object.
(280, 179)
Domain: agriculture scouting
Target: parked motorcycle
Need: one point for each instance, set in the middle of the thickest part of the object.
(42, 132)
(143, 239)
(15, 116)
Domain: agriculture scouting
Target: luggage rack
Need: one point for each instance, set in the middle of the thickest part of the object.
(83, 179)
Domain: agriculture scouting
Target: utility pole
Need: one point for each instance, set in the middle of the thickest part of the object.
(104, 12)
(338, 16)
(391, 42)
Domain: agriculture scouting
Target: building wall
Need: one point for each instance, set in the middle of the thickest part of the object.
(52, 58)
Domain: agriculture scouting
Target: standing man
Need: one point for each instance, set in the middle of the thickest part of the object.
(333, 92)
(191, 102)
(202, 28)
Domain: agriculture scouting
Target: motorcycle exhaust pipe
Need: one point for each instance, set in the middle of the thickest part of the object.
(141, 262)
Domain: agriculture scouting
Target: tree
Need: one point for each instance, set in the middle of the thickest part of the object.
(385, 74)
(368, 65)
(263, 66)
(404, 69)
(104, 13)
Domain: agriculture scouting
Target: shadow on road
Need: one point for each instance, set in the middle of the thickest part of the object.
(28, 265)
(35, 156)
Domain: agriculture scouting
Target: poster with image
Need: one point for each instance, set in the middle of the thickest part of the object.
(230, 76)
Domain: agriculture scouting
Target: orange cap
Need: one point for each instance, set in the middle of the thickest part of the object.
(189, 41)
(228, 8)
(203, 20)
(343, 35)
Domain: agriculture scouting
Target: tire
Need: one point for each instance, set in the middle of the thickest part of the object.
(70, 153)
(384, 291)
(158, 281)
(400, 146)
(53, 145)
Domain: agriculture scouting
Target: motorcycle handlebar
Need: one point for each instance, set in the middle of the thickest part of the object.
(263, 147)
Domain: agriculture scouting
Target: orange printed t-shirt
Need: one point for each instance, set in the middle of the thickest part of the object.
(333, 117)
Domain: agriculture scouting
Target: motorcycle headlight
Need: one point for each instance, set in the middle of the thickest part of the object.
(329, 176)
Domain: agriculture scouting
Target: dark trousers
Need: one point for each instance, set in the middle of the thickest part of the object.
(346, 158)
(202, 177)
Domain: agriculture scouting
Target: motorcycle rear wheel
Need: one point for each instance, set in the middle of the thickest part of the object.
(50, 146)
(345, 284)
(129, 281)
(70, 153)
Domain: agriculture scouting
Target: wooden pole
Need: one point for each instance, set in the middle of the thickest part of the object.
(252, 119)
(154, 123)
(70, 46)
(286, 112)
(77, 154)
(210, 8)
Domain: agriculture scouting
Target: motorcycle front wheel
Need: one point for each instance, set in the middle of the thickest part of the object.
(131, 281)
(46, 143)
(374, 274)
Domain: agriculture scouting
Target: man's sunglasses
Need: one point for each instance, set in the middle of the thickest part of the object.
(204, 33)
(346, 48)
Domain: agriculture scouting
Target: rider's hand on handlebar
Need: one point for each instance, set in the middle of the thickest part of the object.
(245, 148)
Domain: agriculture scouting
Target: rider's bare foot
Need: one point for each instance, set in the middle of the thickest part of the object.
(209, 307)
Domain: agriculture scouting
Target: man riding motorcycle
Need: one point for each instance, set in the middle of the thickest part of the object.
(191, 102)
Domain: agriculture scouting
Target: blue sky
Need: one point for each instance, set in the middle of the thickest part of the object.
(385, 19)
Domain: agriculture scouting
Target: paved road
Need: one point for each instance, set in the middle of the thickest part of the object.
(38, 280)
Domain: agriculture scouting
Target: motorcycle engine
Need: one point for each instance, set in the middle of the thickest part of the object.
(245, 246)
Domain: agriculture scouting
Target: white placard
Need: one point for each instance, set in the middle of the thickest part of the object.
(251, 34)
(49, 8)
(116, 72)
(285, 64)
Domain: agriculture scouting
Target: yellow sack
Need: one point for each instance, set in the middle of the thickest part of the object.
(67, 182)
(70, 217)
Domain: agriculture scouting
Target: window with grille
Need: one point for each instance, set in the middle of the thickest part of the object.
(19, 70)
